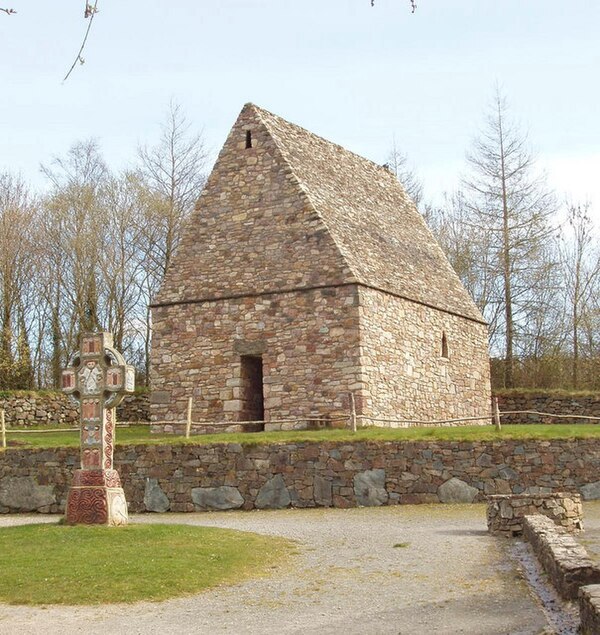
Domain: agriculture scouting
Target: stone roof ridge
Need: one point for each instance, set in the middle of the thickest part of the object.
(263, 111)
(303, 186)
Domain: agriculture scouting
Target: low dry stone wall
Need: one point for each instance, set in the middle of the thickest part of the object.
(589, 609)
(565, 561)
(185, 478)
(505, 514)
(55, 408)
(135, 408)
(34, 410)
(587, 405)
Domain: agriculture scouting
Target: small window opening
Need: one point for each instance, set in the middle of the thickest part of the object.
(248, 139)
(253, 407)
(444, 345)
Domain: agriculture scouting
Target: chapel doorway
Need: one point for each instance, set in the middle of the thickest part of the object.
(253, 403)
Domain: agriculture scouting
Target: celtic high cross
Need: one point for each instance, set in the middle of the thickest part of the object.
(97, 378)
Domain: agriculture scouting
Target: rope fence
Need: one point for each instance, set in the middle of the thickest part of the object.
(51, 430)
(547, 414)
(193, 424)
(352, 421)
(410, 423)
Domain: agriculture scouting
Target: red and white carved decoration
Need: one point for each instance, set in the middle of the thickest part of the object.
(97, 378)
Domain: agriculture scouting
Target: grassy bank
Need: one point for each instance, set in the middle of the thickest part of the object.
(141, 435)
(55, 564)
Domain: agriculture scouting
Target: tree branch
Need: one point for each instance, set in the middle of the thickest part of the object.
(7, 11)
(413, 5)
(90, 12)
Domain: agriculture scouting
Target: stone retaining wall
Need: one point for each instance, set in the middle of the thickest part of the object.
(587, 405)
(565, 561)
(44, 408)
(55, 408)
(589, 609)
(183, 478)
(505, 513)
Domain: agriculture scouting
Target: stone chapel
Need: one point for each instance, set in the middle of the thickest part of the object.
(304, 274)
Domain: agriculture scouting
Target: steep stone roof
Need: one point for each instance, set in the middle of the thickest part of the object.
(376, 226)
(299, 211)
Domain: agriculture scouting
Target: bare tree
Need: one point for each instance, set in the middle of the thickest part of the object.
(506, 197)
(75, 212)
(581, 270)
(16, 275)
(170, 178)
(172, 173)
(122, 263)
(397, 163)
(469, 250)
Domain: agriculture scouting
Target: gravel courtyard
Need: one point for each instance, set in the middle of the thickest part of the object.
(402, 570)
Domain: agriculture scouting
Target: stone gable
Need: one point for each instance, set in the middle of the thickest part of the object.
(254, 229)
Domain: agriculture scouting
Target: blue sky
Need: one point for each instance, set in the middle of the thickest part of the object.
(354, 74)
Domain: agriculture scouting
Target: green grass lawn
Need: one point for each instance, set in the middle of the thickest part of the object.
(141, 435)
(129, 435)
(58, 564)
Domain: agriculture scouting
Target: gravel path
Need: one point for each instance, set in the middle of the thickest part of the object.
(449, 577)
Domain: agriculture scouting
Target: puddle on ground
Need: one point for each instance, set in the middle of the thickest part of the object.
(562, 616)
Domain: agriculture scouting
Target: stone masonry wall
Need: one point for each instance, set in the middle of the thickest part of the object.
(186, 478)
(405, 373)
(56, 408)
(565, 561)
(135, 408)
(505, 512)
(38, 409)
(308, 342)
(588, 405)
(589, 609)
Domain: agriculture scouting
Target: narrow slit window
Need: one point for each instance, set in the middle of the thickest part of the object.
(248, 139)
(444, 345)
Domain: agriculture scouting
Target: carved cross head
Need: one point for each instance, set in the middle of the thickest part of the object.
(97, 376)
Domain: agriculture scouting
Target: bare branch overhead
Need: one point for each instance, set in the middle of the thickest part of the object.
(413, 5)
(90, 12)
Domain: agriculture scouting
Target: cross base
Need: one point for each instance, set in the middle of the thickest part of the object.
(96, 498)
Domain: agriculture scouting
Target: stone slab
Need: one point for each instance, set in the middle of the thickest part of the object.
(273, 494)
(369, 488)
(217, 498)
(155, 500)
(456, 490)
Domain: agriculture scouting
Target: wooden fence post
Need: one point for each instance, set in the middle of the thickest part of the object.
(353, 406)
(188, 427)
(496, 414)
(3, 426)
